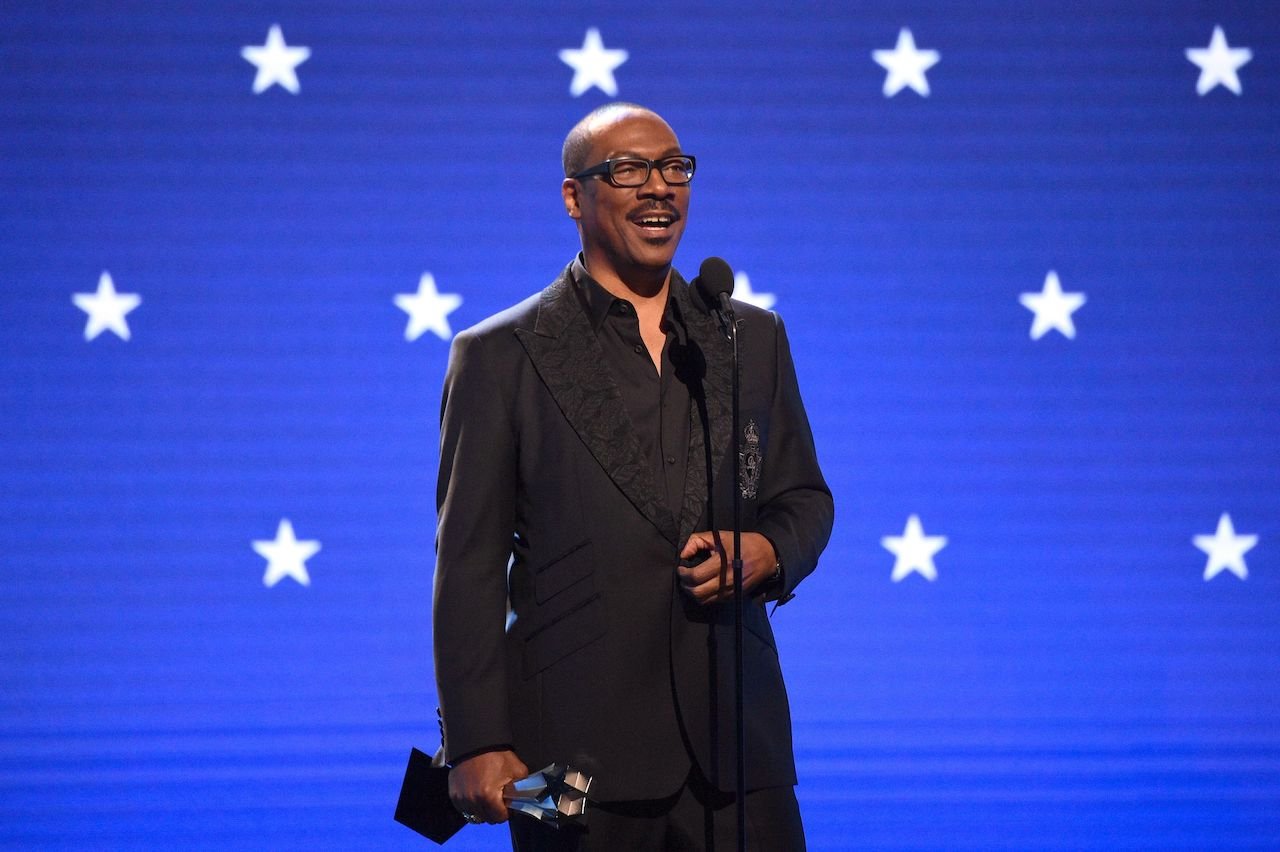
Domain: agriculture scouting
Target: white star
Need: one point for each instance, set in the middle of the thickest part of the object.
(106, 308)
(906, 65)
(1218, 63)
(743, 293)
(1226, 549)
(276, 62)
(1053, 308)
(914, 550)
(593, 65)
(286, 556)
(428, 309)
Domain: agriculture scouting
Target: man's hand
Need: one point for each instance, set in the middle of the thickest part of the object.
(712, 580)
(475, 784)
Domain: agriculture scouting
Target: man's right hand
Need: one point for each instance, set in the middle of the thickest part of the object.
(475, 784)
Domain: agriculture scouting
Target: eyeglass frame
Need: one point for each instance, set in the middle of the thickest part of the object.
(605, 170)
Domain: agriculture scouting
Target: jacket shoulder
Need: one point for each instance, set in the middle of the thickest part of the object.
(757, 320)
(747, 310)
(523, 314)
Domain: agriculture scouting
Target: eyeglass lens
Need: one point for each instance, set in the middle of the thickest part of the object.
(674, 170)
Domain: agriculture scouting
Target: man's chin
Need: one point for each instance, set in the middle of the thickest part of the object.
(657, 252)
(640, 259)
(655, 264)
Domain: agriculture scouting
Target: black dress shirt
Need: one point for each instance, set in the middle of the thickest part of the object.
(658, 404)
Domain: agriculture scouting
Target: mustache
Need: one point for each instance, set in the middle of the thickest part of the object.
(655, 206)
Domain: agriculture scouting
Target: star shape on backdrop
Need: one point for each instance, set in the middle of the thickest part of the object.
(106, 308)
(593, 65)
(1219, 63)
(1226, 550)
(277, 63)
(286, 556)
(1052, 307)
(914, 550)
(428, 309)
(743, 293)
(906, 65)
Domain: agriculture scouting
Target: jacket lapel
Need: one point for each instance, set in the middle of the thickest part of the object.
(709, 364)
(570, 361)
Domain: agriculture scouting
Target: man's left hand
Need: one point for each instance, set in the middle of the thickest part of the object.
(712, 580)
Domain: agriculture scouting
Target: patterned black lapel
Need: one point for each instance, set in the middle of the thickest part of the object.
(567, 356)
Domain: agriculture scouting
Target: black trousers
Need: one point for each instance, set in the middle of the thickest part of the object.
(696, 818)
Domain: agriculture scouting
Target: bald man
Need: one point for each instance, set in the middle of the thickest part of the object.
(583, 470)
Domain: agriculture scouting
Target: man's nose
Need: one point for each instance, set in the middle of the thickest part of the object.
(655, 186)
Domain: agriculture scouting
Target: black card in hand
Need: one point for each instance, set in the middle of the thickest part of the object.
(424, 802)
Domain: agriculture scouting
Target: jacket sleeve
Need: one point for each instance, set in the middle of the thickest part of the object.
(795, 509)
(475, 506)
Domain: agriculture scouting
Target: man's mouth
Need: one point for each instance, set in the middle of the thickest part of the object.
(655, 221)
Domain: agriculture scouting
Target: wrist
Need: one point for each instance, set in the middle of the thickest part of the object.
(776, 574)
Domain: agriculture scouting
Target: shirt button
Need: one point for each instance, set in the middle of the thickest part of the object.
(671, 459)
(623, 308)
(638, 348)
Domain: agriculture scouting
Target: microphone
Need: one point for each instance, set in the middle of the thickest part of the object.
(715, 284)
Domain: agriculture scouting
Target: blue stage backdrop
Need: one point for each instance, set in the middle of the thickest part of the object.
(1028, 254)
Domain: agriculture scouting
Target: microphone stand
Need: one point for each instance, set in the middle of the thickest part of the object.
(731, 330)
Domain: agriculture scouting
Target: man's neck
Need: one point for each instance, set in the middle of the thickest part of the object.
(641, 287)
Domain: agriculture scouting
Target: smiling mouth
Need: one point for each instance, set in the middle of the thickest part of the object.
(655, 221)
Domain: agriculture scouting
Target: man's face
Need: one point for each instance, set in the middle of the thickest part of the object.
(629, 228)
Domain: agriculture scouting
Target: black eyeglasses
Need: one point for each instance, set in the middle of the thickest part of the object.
(634, 171)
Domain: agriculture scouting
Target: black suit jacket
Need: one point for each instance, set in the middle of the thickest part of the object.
(559, 626)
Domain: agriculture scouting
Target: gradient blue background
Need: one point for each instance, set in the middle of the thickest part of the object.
(1069, 681)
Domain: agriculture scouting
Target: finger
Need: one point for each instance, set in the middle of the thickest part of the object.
(720, 586)
(496, 806)
(475, 798)
(706, 572)
(697, 543)
(695, 590)
(707, 569)
(712, 590)
(492, 809)
(472, 811)
(461, 798)
(714, 598)
(700, 543)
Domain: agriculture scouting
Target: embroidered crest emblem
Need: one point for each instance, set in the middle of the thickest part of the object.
(749, 460)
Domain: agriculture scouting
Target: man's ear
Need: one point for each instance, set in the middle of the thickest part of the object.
(570, 191)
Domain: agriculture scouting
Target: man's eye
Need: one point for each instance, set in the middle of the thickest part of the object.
(627, 168)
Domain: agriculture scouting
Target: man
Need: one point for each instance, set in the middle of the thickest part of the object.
(583, 470)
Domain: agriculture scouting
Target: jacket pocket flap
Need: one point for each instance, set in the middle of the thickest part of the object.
(554, 576)
(556, 639)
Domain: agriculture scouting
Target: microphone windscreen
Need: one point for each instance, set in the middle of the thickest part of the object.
(715, 277)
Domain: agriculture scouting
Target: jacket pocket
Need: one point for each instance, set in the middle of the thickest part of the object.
(564, 633)
(559, 573)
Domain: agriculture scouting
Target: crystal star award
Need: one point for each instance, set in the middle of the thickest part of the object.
(556, 795)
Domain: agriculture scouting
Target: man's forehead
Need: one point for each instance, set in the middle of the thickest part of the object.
(632, 132)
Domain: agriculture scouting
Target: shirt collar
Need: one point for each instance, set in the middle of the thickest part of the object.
(599, 301)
